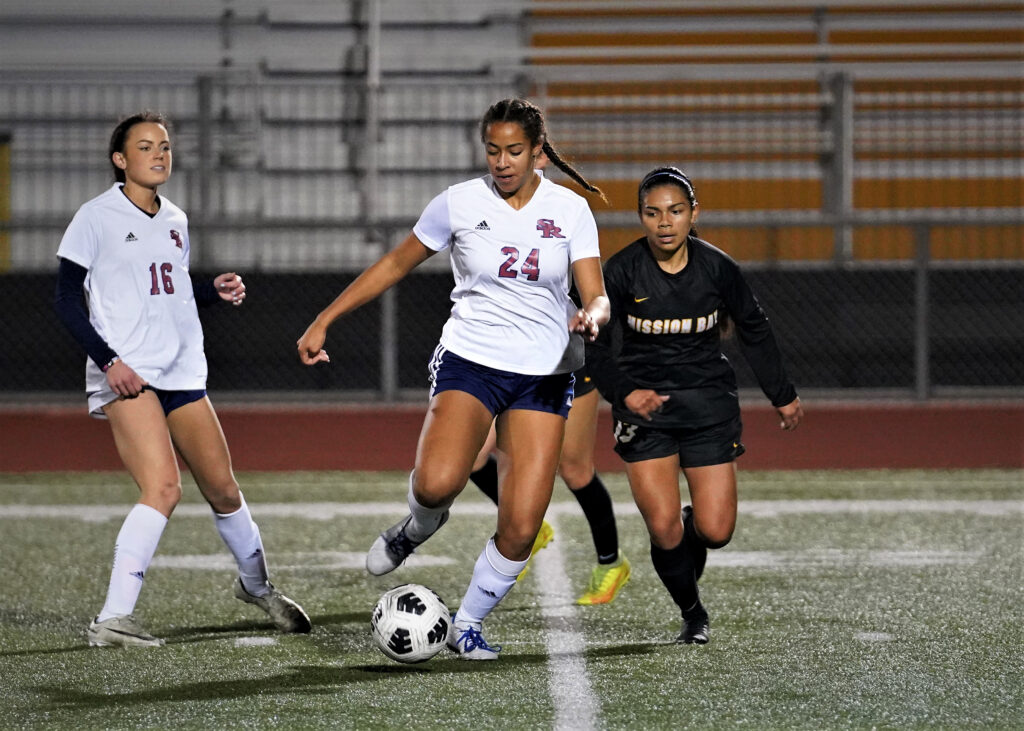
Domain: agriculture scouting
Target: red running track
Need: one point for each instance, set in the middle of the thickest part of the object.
(274, 438)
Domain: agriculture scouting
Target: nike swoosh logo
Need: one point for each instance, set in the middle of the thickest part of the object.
(640, 299)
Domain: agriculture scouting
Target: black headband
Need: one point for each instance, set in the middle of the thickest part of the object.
(668, 175)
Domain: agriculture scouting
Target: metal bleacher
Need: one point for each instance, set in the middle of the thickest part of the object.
(269, 102)
(797, 113)
(801, 111)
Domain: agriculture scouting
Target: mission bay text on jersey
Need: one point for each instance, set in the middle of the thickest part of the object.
(671, 326)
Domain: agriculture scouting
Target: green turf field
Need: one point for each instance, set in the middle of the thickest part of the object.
(846, 600)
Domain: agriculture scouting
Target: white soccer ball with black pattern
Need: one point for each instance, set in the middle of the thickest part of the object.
(410, 623)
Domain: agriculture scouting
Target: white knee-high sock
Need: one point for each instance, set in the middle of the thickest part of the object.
(242, 537)
(493, 578)
(425, 521)
(133, 551)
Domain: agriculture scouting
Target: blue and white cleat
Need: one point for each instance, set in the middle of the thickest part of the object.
(466, 640)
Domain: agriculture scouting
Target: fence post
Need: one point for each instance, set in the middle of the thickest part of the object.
(922, 352)
(201, 208)
(5, 201)
(371, 200)
(389, 344)
(838, 171)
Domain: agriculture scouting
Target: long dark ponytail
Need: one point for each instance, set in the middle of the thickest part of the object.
(530, 117)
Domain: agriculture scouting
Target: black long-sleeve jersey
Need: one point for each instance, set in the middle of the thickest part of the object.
(671, 340)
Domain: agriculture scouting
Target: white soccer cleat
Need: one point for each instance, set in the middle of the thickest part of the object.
(123, 631)
(467, 641)
(286, 614)
(393, 546)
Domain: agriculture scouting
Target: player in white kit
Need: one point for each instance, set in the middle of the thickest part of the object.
(506, 354)
(125, 294)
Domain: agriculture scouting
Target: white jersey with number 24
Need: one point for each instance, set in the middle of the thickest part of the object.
(512, 273)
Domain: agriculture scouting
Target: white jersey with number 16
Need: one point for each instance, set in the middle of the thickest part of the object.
(138, 289)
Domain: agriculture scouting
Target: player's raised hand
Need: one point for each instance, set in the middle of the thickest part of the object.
(311, 345)
(230, 288)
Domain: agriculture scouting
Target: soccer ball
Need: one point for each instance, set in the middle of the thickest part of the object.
(410, 623)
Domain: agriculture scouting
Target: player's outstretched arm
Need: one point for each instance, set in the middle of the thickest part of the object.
(379, 276)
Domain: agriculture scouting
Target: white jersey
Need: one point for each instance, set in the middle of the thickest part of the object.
(138, 289)
(512, 273)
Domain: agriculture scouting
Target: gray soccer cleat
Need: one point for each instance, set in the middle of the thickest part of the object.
(286, 614)
(393, 546)
(123, 631)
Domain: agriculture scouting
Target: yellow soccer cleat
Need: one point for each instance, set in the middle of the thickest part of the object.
(606, 581)
(544, 536)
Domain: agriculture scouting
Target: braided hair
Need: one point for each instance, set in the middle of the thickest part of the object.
(530, 117)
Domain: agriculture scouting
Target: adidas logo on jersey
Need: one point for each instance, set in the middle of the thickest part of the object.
(482, 226)
(130, 237)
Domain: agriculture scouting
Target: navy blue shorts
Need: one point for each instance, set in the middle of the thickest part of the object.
(500, 390)
(709, 445)
(172, 400)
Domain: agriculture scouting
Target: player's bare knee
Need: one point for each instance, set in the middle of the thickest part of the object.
(165, 495)
(223, 497)
(665, 533)
(715, 536)
(226, 502)
(436, 489)
(718, 542)
(575, 474)
(514, 544)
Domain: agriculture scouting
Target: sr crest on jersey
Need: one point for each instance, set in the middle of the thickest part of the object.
(672, 326)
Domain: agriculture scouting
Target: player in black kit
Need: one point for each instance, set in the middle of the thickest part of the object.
(673, 393)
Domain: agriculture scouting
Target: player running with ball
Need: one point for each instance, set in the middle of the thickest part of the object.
(506, 354)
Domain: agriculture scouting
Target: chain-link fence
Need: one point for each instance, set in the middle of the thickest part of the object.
(869, 328)
(880, 227)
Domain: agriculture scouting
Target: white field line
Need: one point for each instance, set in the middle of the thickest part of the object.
(291, 561)
(561, 607)
(568, 682)
(324, 511)
(255, 641)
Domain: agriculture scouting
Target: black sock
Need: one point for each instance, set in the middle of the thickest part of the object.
(486, 478)
(697, 548)
(597, 506)
(675, 569)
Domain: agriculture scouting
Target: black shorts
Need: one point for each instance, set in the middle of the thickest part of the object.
(584, 383)
(709, 445)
